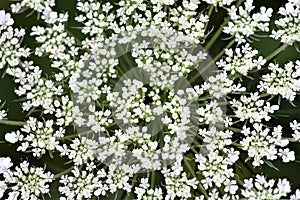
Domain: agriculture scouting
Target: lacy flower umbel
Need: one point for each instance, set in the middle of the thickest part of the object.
(149, 99)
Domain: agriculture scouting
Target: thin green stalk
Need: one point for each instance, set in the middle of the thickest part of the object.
(194, 175)
(152, 179)
(211, 8)
(217, 34)
(116, 195)
(276, 52)
(63, 173)
(12, 123)
(212, 62)
(219, 31)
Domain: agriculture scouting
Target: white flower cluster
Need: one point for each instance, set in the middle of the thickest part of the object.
(261, 188)
(37, 90)
(38, 6)
(25, 182)
(244, 24)
(144, 191)
(260, 144)
(125, 97)
(296, 128)
(82, 185)
(216, 168)
(253, 108)
(36, 137)
(221, 3)
(5, 20)
(211, 114)
(80, 151)
(289, 24)
(166, 57)
(241, 60)
(283, 81)
(221, 85)
(177, 183)
(11, 51)
(130, 104)
(216, 140)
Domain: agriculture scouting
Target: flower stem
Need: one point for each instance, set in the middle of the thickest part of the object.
(219, 31)
(116, 195)
(276, 52)
(194, 175)
(62, 173)
(211, 62)
(216, 35)
(152, 179)
(211, 8)
(12, 123)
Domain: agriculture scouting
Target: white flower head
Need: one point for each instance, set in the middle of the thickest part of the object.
(5, 20)
(5, 164)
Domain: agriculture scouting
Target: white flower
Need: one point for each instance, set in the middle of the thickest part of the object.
(221, 3)
(241, 60)
(231, 186)
(3, 187)
(265, 189)
(253, 108)
(244, 24)
(296, 196)
(296, 128)
(81, 184)
(259, 144)
(12, 137)
(282, 80)
(286, 155)
(288, 25)
(5, 20)
(5, 164)
(29, 182)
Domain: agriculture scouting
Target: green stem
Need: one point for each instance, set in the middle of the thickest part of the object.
(219, 31)
(152, 179)
(276, 52)
(216, 35)
(63, 173)
(211, 8)
(194, 175)
(211, 62)
(12, 123)
(116, 195)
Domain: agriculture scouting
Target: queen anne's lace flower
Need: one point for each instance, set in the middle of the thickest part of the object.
(123, 95)
(177, 183)
(284, 81)
(145, 192)
(244, 24)
(11, 51)
(221, 3)
(38, 6)
(80, 151)
(35, 136)
(82, 184)
(261, 188)
(215, 168)
(288, 30)
(28, 182)
(5, 20)
(253, 108)
(260, 144)
(241, 60)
